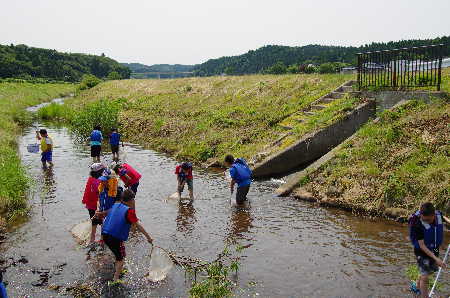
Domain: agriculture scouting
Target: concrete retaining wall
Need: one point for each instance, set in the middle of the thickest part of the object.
(316, 144)
(293, 180)
(387, 99)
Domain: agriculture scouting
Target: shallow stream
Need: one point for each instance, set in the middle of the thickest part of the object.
(295, 249)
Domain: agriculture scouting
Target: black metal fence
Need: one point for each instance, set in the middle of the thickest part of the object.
(401, 69)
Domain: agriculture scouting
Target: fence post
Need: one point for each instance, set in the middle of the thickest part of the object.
(439, 67)
(359, 72)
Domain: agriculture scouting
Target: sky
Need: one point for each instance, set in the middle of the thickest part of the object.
(191, 32)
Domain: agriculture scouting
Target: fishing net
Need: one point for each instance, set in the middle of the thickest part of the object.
(163, 260)
(160, 265)
(82, 231)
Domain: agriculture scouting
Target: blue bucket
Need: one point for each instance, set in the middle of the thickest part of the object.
(33, 148)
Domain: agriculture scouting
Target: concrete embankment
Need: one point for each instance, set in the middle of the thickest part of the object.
(314, 145)
(386, 169)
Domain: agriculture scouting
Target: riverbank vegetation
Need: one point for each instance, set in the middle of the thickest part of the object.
(200, 119)
(391, 166)
(14, 98)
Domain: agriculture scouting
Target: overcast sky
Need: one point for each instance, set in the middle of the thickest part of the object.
(190, 32)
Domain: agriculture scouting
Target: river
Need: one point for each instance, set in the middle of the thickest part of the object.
(295, 249)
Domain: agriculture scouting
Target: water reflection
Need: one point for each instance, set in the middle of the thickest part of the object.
(48, 190)
(240, 224)
(186, 217)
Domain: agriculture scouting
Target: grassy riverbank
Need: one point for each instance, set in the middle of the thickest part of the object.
(200, 119)
(391, 166)
(14, 98)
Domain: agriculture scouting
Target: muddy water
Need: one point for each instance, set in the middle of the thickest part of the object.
(295, 249)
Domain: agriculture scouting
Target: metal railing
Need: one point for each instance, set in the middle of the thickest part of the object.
(401, 68)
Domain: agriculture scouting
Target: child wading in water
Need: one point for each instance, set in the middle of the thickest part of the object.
(96, 143)
(184, 176)
(128, 175)
(91, 195)
(114, 141)
(426, 232)
(241, 175)
(46, 148)
(116, 228)
(108, 190)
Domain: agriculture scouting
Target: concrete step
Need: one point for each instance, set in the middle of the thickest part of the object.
(326, 100)
(347, 88)
(317, 107)
(337, 94)
(285, 127)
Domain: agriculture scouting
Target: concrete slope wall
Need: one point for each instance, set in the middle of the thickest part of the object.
(316, 144)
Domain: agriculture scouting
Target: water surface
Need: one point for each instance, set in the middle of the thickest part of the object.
(295, 249)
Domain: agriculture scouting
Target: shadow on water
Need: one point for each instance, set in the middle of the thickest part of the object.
(293, 248)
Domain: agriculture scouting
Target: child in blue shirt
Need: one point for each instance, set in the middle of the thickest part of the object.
(96, 143)
(114, 141)
(241, 175)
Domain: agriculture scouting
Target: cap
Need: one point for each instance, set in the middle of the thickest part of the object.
(97, 167)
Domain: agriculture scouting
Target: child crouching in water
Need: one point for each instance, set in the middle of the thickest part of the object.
(90, 197)
(108, 190)
(184, 176)
(116, 228)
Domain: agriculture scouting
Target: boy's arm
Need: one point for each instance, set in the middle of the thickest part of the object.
(429, 253)
(38, 136)
(232, 183)
(143, 231)
(446, 219)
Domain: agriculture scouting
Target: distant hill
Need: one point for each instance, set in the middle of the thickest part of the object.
(21, 61)
(256, 61)
(140, 68)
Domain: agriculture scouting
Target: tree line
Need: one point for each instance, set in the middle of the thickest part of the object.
(142, 68)
(310, 58)
(21, 61)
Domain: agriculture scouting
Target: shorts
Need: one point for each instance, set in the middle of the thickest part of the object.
(95, 150)
(116, 246)
(115, 148)
(426, 265)
(134, 187)
(241, 194)
(46, 156)
(190, 184)
(95, 221)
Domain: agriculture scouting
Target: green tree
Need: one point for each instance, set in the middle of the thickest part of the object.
(114, 75)
(277, 68)
(294, 68)
(327, 68)
(88, 82)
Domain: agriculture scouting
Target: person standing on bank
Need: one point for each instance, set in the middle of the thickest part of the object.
(46, 148)
(426, 232)
(96, 144)
(241, 175)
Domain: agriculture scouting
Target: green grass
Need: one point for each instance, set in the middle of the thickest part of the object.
(14, 97)
(399, 162)
(202, 119)
(332, 112)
